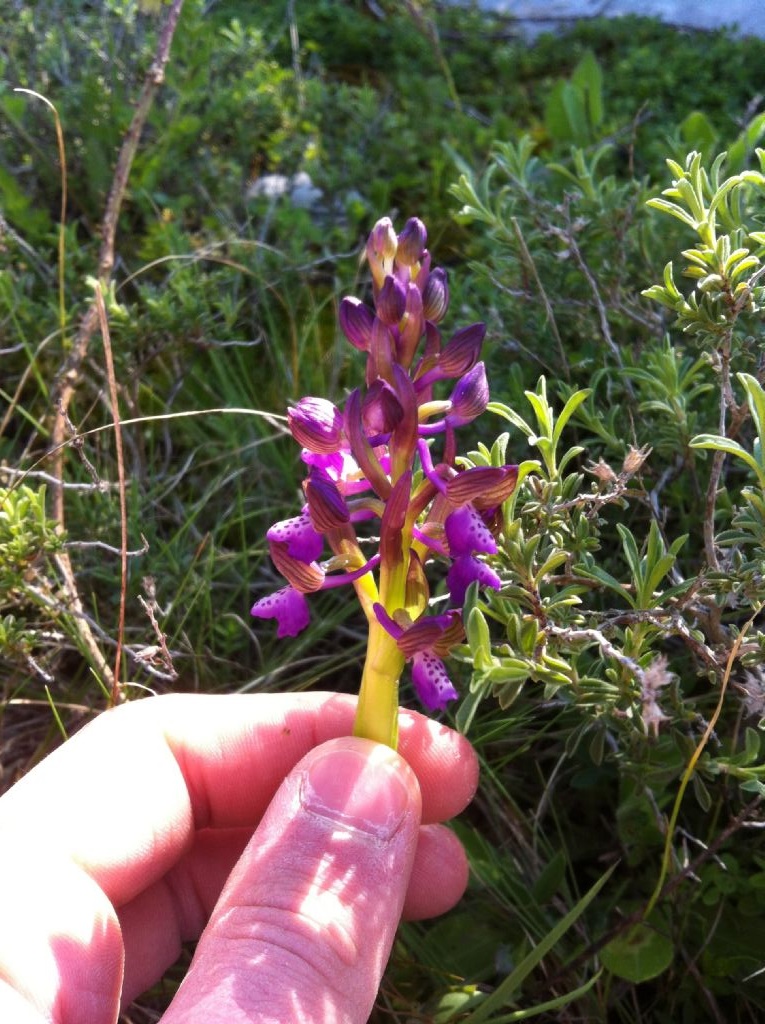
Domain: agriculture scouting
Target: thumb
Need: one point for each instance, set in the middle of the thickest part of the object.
(305, 923)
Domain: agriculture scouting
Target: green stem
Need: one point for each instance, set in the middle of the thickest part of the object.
(377, 711)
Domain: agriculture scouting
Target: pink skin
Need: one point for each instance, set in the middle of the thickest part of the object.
(137, 835)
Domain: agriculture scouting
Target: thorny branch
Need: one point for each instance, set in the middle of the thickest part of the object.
(573, 634)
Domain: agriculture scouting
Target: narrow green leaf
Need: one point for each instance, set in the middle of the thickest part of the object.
(576, 114)
(655, 545)
(604, 577)
(568, 455)
(727, 444)
(542, 411)
(751, 746)
(468, 707)
(756, 397)
(552, 1004)
(551, 562)
(744, 265)
(510, 414)
(738, 152)
(698, 132)
(568, 411)
(659, 294)
(674, 210)
(631, 552)
(669, 281)
(478, 637)
(588, 77)
(551, 878)
(723, 191)
(692, 198)
(556, 118)
(660, 569)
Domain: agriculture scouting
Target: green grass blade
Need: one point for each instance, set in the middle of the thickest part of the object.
(505, 990)
(552, 1004)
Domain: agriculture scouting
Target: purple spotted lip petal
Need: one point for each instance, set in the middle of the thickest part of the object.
(466, 533)
(288, 607)
(422, 643)
(432, 682)
(298, 533)
(465, 570)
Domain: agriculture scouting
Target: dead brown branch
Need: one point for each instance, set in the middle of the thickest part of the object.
(69, 376)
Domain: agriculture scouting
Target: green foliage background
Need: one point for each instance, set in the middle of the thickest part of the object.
(532, 167)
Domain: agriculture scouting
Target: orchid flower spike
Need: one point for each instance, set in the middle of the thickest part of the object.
(372, 480)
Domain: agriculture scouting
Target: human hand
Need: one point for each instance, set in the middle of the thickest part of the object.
(127, 840)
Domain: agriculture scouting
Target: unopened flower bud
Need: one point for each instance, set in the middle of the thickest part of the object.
(432, 340)
(326, 504)
(417, 591)
(304, 577)
(356, 322)
(392, 521)
(411, 242)
(391, 301)
(316, 424)
(435, 296)
(411, 327)
(381, 249)
(424, 272)
(484, 486)
(461, 352)
(382, 241)
(470, 397)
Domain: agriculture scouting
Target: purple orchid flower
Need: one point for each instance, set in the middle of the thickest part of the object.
(466, 569)
(425, 643)
(302, 540)
(468, 535)
(288, 606)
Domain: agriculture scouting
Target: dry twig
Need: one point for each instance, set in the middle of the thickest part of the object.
(70, 373)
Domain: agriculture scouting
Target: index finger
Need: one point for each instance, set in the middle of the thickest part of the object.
(125, 796)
